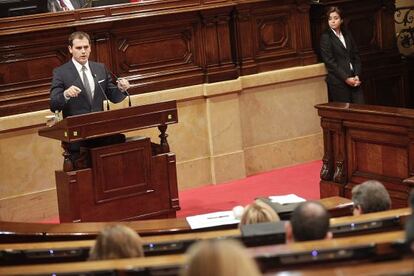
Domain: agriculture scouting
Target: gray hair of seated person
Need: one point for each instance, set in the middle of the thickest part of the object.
(310, 221)
(116, 242)
(219, 258)
(258, 212)
(371, 196)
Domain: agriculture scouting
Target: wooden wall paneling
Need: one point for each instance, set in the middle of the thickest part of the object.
(243, 31)
(155, 44)
(387, 86)
(303, 30)
(159, 53)
(280, 32)
(220, 64)
(102, 50)
(26, 64)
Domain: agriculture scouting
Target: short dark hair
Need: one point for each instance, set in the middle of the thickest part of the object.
(371, 196)
(310, 221)
(78, 35)
(332, 9)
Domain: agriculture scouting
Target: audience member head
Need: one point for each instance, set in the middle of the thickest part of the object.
(309, 221)
(219, 258)
(370, 196)
(116, 242)
(258, 212)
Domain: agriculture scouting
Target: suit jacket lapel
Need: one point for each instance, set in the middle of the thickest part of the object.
(338, 41)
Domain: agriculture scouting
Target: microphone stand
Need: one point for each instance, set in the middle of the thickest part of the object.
(126, 91)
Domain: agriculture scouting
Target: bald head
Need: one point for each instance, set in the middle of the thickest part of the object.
(309, 221)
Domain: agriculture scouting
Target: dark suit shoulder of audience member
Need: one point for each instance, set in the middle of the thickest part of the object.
(370, 196)
(258, 212)
(117, 242)
(219, 258)
(409, 224)
(309, 221)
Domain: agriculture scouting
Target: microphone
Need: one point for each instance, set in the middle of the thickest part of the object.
(126, 91)
(103, 92)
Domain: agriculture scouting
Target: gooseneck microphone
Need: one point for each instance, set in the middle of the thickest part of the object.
(126, 91)
(103, 92)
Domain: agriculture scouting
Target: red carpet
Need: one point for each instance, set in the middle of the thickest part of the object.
(302, 180)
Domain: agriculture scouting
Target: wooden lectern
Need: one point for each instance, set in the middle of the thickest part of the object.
(130, 180)
(363, 142)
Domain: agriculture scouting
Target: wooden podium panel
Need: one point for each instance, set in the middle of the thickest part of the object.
(120, 185)
(363, 142)
(116, 180)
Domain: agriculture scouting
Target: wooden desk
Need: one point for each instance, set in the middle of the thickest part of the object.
(399, 267)
(30, 232)
(65, 251)
(362, 248)
(270, 257)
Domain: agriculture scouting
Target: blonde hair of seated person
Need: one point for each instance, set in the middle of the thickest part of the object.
(116, 242)
(219, 258)
(258, 212)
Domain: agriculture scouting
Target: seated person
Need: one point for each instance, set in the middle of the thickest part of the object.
(309, 221)
(219, 258)
(116, 242)
(258, 212)
(66, 5)
(370, 196)
(409, 224)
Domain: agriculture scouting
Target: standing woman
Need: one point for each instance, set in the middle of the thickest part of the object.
(340, 55)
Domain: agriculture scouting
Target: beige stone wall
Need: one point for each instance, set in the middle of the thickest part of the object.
(226, 131)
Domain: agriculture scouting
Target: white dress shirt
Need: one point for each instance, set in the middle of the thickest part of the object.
(88, 72)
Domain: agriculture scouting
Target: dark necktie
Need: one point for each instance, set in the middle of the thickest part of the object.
(86, 83)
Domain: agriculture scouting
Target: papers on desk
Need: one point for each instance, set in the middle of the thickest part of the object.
(212, 219)
(286, 199)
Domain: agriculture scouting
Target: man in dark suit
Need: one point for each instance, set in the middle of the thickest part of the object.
(80, 86)
(340, 55)
(66, 5)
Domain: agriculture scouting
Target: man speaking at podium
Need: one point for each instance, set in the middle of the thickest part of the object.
(80, 86)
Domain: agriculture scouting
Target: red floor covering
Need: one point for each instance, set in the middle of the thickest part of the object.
(302, 180)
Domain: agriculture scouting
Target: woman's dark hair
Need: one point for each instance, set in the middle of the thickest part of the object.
(332, 9)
